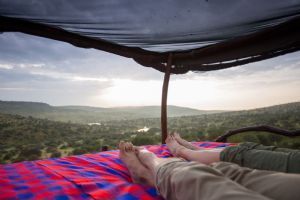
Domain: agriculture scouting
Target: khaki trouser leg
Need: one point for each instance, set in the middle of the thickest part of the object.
(257, 156)
(178, 180)
(275, 185)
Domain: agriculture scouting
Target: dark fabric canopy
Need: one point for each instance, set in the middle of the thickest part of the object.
(202, 35)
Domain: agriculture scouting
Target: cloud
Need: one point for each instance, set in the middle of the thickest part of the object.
(241, 91)
(16, 89)
(56, 91)
(38, 69)
(66, 76)
(21, 65)
(34, 52)
(4, 66)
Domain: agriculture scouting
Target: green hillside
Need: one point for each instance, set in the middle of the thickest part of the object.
(28, 138)
(86, 114)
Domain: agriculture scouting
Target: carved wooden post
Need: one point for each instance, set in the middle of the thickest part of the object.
(164, 117)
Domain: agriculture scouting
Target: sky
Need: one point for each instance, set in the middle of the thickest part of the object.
(42, 70)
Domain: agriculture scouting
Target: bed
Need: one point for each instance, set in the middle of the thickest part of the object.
(90, 176)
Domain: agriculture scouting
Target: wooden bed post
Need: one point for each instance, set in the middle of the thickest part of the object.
(164, 117)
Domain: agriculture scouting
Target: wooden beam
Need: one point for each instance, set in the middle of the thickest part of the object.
(262, 128)
(270, 42)
(218, 66)
(281, 36)
(267, 43)
(8, 24)
(164, 108)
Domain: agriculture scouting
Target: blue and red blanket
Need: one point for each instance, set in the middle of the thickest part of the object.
(89, 176)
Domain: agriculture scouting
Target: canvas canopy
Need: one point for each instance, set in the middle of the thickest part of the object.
(172, 36)
(201, 34)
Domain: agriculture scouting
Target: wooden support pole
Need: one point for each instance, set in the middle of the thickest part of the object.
(262, 128)
(164, 117)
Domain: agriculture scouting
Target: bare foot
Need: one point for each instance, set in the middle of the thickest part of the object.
(139, 173)
(185, 143)
(173, 145)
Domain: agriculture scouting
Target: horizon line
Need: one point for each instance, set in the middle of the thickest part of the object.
(136, 106)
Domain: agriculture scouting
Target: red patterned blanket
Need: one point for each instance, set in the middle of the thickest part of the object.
(89, 176)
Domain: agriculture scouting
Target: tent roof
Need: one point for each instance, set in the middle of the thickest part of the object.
(201, 35)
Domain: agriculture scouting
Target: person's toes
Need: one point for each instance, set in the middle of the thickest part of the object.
(126, 146)
(168, 139)
(122, 145)
(173, 146)
(173, 138)
(131, 147)
(176, 136)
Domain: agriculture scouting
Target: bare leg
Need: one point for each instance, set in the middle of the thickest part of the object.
(139, 173)
(205, 156)
(191, 180)
(185, 143)
(150, 160)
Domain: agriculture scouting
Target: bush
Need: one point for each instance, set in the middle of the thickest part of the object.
(143, 140)
(56, 154)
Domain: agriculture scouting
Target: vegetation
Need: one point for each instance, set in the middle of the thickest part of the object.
(86, 114)
(28, 138)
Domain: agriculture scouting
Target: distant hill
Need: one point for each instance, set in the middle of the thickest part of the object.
(29, 138)
(276, 109)
(86, 114)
